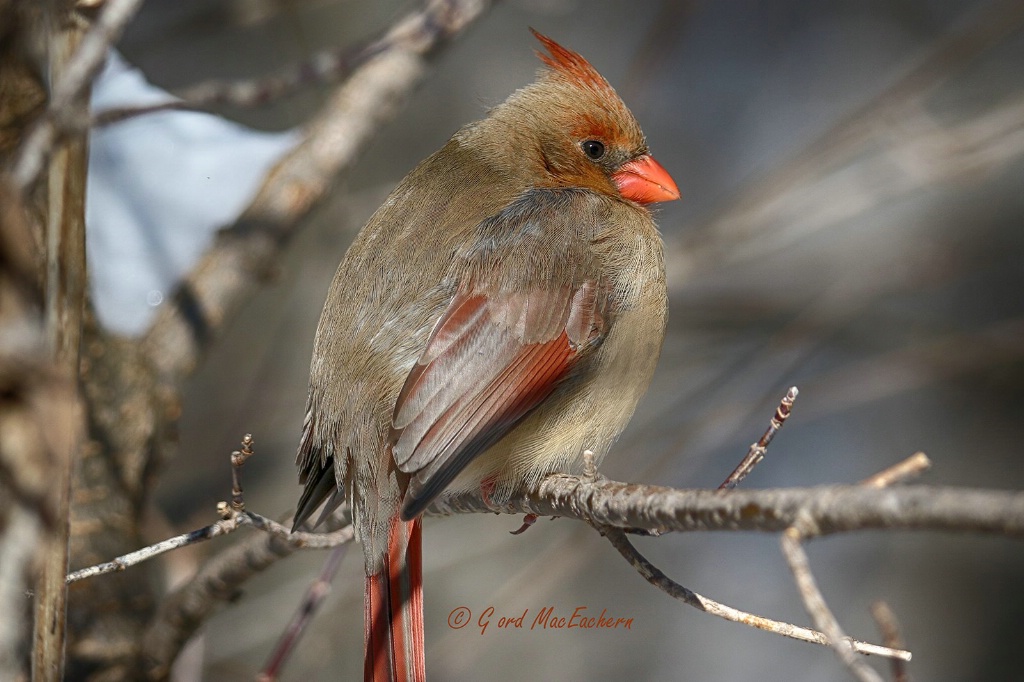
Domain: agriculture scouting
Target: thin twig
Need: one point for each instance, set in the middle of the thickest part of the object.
(654, 576)
(798, 197)
(757, 450)
(238, 458)
(233, 521)
(121, 563)
(821, 615)
(299, 539)
(183, 611)
(314, 597)
(329, 66)
(817, 609)
(911, 467)
(890, 628)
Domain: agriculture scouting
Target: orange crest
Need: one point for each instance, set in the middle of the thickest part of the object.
(569, 63)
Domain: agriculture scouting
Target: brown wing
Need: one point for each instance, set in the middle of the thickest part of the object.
(492, 358)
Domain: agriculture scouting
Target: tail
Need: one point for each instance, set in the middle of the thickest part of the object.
(393, 610)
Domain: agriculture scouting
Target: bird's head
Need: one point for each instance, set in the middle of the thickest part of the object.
(575, 131)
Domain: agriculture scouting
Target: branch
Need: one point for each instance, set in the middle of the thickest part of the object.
(911, 467)
(832, 635)
(233, 521)
(65, 267)
(312, 600)
(236, 264)
(817, 609)
(329, 66)
(757, 450)
(184, 610)
(890, 628)
(653, 575)
(834, 178)
(614, 506)
(68, 101)
(821, 615)
(233, 516)
(830, 509)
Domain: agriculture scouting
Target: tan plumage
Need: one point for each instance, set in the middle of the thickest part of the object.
(501, 313)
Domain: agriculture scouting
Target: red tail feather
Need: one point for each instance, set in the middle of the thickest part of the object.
(393, 610)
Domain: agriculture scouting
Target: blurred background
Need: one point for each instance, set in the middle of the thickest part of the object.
(852, 223)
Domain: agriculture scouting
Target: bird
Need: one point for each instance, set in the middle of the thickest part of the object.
(500, 314)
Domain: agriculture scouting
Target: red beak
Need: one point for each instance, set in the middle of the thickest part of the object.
(644, 181)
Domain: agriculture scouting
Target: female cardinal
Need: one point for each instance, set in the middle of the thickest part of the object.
(501, 313)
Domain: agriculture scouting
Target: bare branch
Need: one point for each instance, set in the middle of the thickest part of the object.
(911, 467)
(67, 101)
(890, 628)
(821, 615)
(329, 66)
(236, 264)
(758, 449)
(121, 563)
(614, 506)
(233, 522)
(653, 575)
(65, 267)
(184, 610)
(817, 609)
(314, 597)
(832, 509)
(890, 136)
(233, 516)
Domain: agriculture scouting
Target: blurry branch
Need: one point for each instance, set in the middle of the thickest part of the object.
(183, 611)
(69, 97)
(922, 364)
(131, 387)
(893, 137)
(64, 299)
(313, 599)
(329, 66)
(38, 420)
(912, 466)
(879, 376)
(236, 264)
(890, 628)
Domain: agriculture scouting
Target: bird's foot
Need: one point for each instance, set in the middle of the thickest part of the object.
(528, 521)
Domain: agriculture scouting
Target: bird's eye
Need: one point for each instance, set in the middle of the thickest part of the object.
(593, 149)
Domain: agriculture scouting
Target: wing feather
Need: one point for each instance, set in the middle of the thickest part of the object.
(492, 358)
